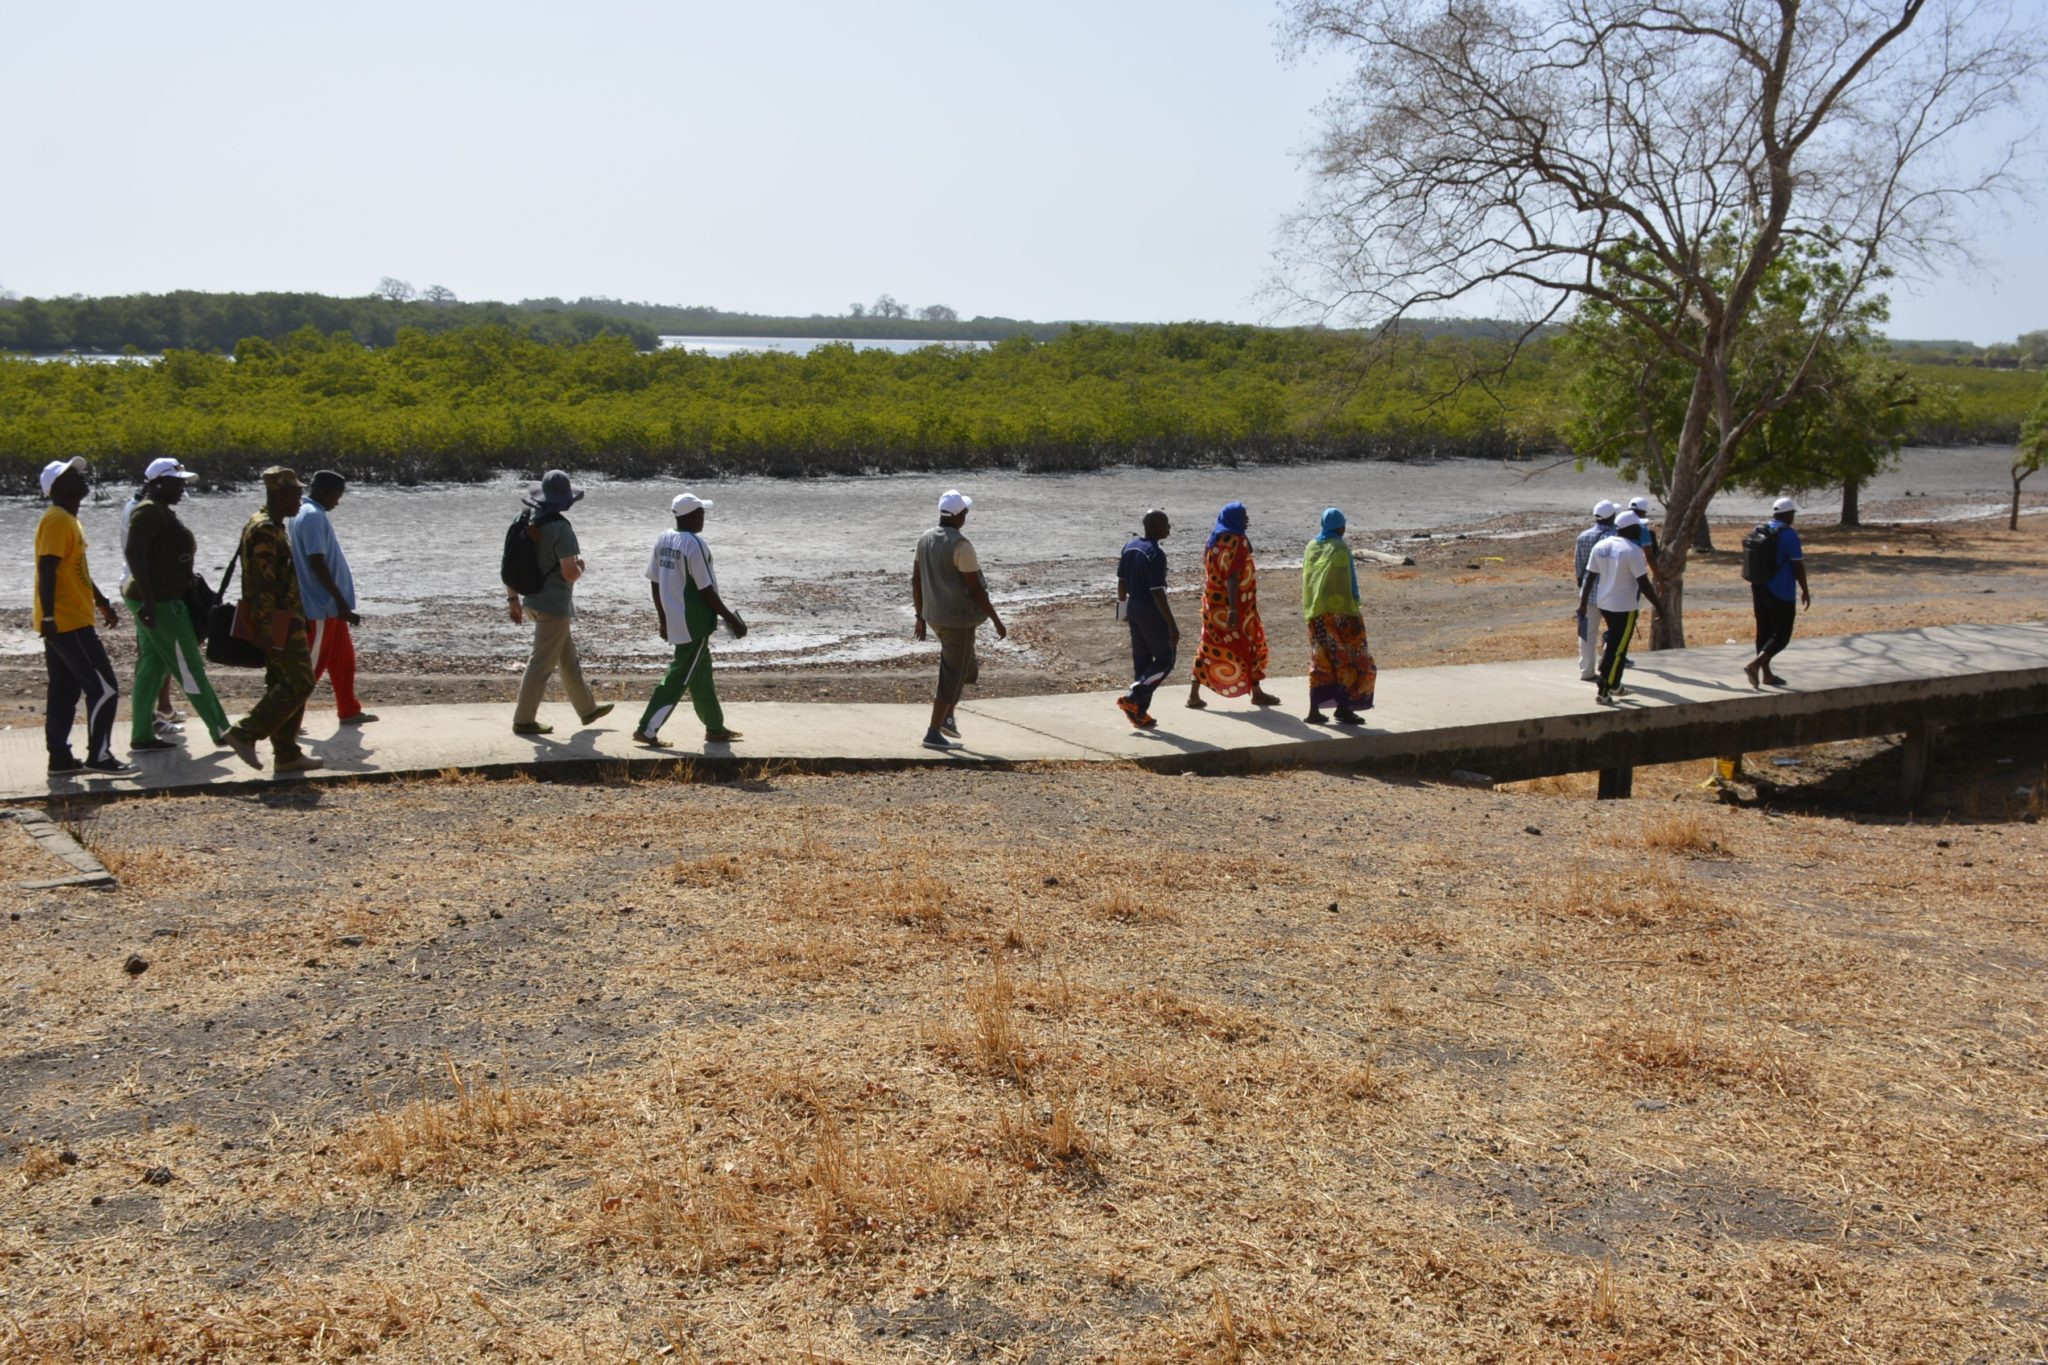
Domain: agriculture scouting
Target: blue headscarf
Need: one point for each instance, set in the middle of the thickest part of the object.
(1232, 520)
(1333, 524)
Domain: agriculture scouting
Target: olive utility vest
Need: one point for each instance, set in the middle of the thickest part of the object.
(946, 603)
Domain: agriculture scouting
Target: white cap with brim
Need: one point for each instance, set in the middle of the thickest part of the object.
(1626, 520)
(687, 503)
(1784, 505)
(54, 471)
(164, 467)
(1640, 506)
(953, 502)
(1604, 510)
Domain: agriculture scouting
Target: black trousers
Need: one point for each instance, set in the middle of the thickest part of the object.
(1774, 618)
(78, 668)
(1621, 628)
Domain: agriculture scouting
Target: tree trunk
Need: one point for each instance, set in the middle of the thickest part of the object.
(1852, 512)
(1703, 537)
(2012, 523)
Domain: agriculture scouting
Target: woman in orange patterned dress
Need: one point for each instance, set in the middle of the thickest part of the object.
(1232, 659)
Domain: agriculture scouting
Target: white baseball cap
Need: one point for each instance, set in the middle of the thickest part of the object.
(1604, 510)
(953, 501)
(164, 467)
(687, 503)
(1640, 506)
(1784, 505)
(54, 470)
(1627, 519)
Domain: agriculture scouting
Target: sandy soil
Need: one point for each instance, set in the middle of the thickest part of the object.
(1061, 1064)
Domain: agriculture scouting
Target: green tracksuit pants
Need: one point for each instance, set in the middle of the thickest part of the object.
(690, 671)
(170, 649)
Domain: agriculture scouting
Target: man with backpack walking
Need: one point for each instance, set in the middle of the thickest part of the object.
(540, 567)
(687, 604)
(1775, 565)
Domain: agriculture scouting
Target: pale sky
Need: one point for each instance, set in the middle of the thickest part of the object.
(1119, 159)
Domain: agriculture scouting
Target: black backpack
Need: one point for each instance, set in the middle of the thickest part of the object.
(519, 568)
(1760, 553)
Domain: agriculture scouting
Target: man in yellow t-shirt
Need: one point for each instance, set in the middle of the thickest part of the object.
(77, 662)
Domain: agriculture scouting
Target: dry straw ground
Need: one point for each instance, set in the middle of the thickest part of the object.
(1037, 1066)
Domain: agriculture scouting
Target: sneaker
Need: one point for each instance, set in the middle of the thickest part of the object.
(168, 729)
(65, 766)
(359, 718)
(111, 767)
(950, 725)
(298, 763)
(245, 749)
(722, 736)
(934, 740)
(649, 741)
(1603, 698)
(599, 714)
(1620, 691)
(1132, 711)
(531, 727)
(151, 746)
(1148, 721)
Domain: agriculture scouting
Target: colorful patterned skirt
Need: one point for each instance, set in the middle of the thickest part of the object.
(1341, 672)
(1231, 662)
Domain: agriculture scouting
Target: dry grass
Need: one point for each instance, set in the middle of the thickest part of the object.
(1677, 832)
(1078, 1094)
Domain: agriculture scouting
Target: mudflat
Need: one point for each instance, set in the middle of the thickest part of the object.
(1061, 1064)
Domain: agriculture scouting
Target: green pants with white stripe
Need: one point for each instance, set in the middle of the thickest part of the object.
(689, 672)
(169, 649)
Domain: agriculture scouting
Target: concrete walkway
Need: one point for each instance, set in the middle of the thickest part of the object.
(1508, 720)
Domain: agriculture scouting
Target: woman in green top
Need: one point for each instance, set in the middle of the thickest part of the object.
(1341, 672)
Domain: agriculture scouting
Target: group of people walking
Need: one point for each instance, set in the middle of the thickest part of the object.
(297, 603)
(1611, 565)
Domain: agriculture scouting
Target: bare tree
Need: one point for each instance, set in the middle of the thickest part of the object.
(439, 293)
(887, 307)
(856, 310)
(937, 312)
(398, 291)
(1523, 152)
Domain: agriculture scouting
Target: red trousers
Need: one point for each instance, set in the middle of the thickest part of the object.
(334, 653)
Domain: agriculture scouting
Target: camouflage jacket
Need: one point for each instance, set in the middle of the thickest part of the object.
(270, 582)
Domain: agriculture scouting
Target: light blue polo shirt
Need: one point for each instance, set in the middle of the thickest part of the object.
(312, 533)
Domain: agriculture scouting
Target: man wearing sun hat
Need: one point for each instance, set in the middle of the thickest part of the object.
(948, 594)
(77, 662)
(687, 604)
(1602, 527)
(553, 608)
(272, 616)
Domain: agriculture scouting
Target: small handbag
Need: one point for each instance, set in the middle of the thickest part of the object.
(223, 646)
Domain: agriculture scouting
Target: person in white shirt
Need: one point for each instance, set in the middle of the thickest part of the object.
(687, 604)
(1617, 579)
(1602, 527)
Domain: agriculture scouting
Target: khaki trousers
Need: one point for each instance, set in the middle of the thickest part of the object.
(552, 649)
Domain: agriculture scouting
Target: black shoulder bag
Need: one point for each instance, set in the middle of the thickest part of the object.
(223, 646)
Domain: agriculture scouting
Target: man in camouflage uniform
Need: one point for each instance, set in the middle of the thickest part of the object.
(272, 617)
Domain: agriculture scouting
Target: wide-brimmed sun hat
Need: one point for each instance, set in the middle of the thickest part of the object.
(554, 492)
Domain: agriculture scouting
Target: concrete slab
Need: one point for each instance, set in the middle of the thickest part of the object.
(1518, 719)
